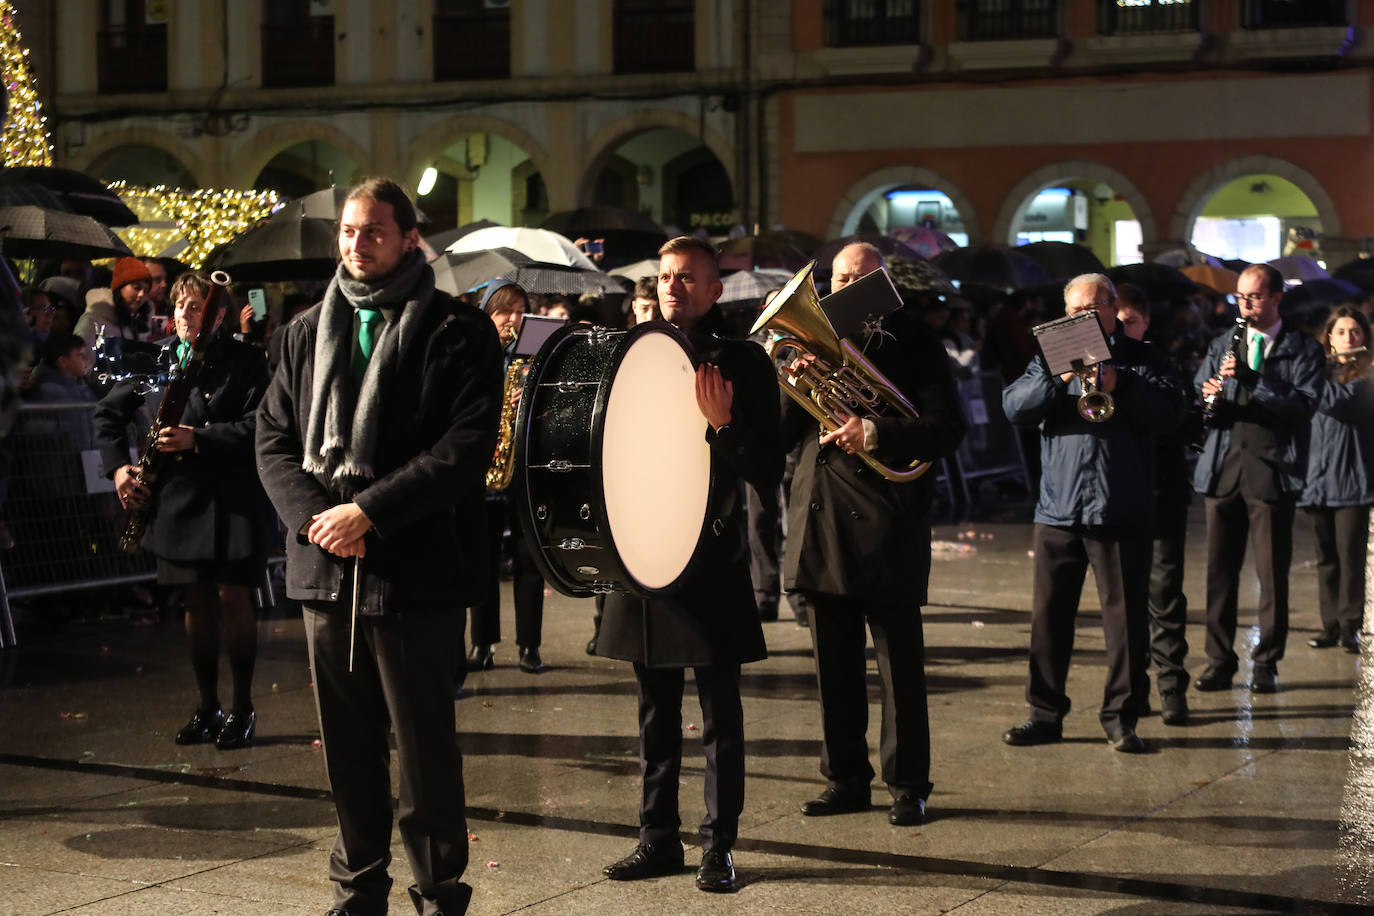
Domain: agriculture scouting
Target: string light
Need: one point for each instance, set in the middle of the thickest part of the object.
(26, 132)
(204, 218)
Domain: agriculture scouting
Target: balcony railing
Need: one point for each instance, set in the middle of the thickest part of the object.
(654, 36)
(850, 23)
(1008, 20)
(1146, 17)
(132, 60)
(299, 54)
(1293, 14)
(472, 45)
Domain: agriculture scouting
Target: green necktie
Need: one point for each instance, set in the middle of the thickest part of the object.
(183, 350)
(1256, 350)
(367, 340)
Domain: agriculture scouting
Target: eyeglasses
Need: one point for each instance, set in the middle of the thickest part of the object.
(1252, 297)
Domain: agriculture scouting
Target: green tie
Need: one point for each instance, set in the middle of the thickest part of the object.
(183, 350)
(367, 340)
(1256, 349)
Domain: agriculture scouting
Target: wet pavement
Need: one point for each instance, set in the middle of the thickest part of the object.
(1260, 803)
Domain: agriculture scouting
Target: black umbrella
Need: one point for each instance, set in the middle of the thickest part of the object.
(1303, 300)
(456, 272)
(995, 266)
(918, 276)
(1063, 260)
(36, 232)
(281, 248)
(440, 241)
(540, 277)
(890, 248)
(1160, 282)
(328, 205)
(754, 252)
(78, 192)
(1360, 273)
(598, 221)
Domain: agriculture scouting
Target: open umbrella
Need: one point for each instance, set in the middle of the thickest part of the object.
(995, 266)
(457, 272)
(919, 276)
(440, 241)
(284, 247)
(804, 242)
(924, 241)
(36, 232)
(1298, 267)
(1315, 295)
(599, 221)
(750, 285)
(1062, 260)
(1359, 272)
(1159, 281)
(328, 205)
(645, 268)
(890, 248)
(538, 244)
(752, 252)
(570, 281)
(1217, 279)
(77, 191)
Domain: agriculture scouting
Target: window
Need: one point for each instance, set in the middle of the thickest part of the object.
(1146, 17)
(655, 36)
(297, 43)
(872, 22)
(1006, 20)
(1293, 14)
(131, 48)
(471, 40)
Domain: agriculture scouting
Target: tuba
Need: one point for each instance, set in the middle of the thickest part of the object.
(840, 383)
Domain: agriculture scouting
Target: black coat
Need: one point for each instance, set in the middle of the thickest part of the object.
(711, 618)
(210, 505)
(852, 532)
(426, 548)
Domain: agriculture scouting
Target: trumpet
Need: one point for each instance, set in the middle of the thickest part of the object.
(1094, 405)
(839, 383)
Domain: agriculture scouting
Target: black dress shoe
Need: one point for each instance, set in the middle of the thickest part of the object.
(837, 800)
(907, 811)
(1325, 639)
(1173, 707)
(1214, 678)
(1264, 680)
(1350, 642)
(481, 658)
(530, 662)
(591, 646)
(203, 727)
(1033, 731)
(768, 613)
(647, 861)
(237, 731)
(1126, 741)
(717, 872)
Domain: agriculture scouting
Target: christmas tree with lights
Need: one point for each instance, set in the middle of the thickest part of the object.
(26, 131)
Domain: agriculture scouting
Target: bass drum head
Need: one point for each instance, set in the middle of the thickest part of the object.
(656, 463)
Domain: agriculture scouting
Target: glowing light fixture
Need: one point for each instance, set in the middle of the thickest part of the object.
(431, 175)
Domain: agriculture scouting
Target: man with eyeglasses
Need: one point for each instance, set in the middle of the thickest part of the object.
(1251, 471)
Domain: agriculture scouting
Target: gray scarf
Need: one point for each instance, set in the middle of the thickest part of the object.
(341, 437)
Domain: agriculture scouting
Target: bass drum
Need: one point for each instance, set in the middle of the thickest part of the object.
(613, 472)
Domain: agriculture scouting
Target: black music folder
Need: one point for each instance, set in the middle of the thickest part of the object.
(852, 308)
(534, 330)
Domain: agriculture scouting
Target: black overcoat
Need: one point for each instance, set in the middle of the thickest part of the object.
(711, 618)
(426, 548)
(851, 531)
(210, 505)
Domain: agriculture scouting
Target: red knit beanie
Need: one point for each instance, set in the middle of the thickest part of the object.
(127, 270)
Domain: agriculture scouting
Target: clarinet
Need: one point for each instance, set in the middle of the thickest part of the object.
(1209, 404)
(152, 463)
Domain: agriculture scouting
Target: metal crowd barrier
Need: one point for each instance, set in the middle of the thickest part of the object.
(991, 449)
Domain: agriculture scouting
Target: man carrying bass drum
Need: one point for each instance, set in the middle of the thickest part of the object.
(708, 622)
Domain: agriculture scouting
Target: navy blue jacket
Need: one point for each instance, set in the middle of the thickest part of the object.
(1340, 467)
(1099, 473)
(1283, 398)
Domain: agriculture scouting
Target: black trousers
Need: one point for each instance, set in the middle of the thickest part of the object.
(839, 640)
(528, 587)
(1342, 548)
(1120, 562)
(1269, 528)
(660, 752)
(1167, 603)
(402, 677)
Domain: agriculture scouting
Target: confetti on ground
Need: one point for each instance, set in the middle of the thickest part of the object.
(274, 686)
(472, 838)
(493, 864)
(74, 715)
(486, 704)
(315, 743)
(104, 650)
(1030, 553)
(952, 548)
(691, 726)
(500, 815)
(279, 629)
(979, 623)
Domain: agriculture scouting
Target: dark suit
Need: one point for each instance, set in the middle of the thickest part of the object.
(709, 623)
(858, 548)
(1252, 469)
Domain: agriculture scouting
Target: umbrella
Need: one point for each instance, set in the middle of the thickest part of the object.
(1359, 272)
(645, 268)
(1297, 267)
(922, 240)
(78, 192)
(572, 281)
(751, 252)
(1158, 281)
(1314, 295)
(36, 232)
(749, 285)
(1217, 279)
(458, 272)
(602, 221)
(804, 242)
(284, 247)
(993, 266)
(1063, 260)
(328, 205)
(440, 241)
(890, 247)
(919, 276)
(538, 244)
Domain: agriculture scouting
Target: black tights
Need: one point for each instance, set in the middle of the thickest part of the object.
(222, 611)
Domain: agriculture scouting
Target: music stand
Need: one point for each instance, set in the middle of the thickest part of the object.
(534, 330)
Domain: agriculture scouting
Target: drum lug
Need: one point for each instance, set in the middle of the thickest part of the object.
(603, 588)
(572, 544)
(542, 512)
(585, 512)
(559, 466)
(589, 570)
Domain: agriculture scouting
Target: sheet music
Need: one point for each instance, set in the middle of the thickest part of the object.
(871, 296)
(1072, 339)
(534, 330)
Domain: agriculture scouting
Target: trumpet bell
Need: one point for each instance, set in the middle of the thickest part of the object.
(796, 311)
(1096, 407)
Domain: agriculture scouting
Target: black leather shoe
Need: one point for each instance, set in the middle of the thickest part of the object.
(481, 658)
(1264, 680)
(530, 662)
(1173, 707)
(717, 872)
(591, 646)
(1033, 731)
(1350, 642)
(1214, 678)
(647, 861)
(768, 613)
(1325, 639)
(237, 731)
(907, 811)
(836, 800)
(203, 727)
(1126, 741)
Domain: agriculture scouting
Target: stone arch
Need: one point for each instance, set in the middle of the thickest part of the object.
(861, 195)
(264, 145)
(1194, 198)
(1015, 204)
(426, 146)
(140, 136)
(606, 140)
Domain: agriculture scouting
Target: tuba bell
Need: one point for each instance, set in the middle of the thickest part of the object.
(839, 383)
